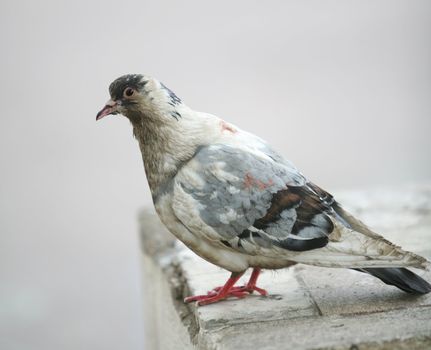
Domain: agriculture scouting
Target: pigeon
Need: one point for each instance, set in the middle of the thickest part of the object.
(239, 204)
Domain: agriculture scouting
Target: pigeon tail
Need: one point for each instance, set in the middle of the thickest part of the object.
(401, 278)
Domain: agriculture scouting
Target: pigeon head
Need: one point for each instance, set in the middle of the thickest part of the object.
(137, 97)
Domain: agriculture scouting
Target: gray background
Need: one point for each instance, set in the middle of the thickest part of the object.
(342, 88)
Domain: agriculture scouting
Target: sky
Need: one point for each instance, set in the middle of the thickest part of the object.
(341, 88)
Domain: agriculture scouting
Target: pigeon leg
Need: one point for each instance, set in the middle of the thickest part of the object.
(251, 284)
(250, 287)
(220, 293)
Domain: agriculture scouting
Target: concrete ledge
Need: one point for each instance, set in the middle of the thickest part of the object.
(308, 307)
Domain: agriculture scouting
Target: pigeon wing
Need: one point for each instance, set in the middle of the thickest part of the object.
(250, 200)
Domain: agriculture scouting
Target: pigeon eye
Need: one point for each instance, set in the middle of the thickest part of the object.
(129, 92)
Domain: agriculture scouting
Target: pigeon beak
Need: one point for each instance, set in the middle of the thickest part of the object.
(110, 108)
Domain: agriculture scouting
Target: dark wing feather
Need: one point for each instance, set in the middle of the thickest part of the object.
(308, 206)
(254, 202)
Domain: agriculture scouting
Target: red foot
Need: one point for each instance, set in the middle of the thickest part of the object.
(229, 290)
(213, 297)
(247, 289)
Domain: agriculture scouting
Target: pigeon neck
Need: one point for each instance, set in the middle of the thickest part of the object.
(166, 146)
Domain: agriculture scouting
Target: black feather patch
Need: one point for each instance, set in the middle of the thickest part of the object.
(174, 99)
(176, 115)
(118, 86)
(300, 245)
(325, 197)
(401, 278)
(226, 243)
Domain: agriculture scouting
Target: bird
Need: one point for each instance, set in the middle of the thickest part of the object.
(239, 204)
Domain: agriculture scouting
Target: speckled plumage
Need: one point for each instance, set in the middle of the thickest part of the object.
(235, 201)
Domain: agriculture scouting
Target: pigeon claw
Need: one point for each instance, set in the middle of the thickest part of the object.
(250, 289)
(214, 297)
(229, 290)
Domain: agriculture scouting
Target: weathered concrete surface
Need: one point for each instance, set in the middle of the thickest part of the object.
(308, 307)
